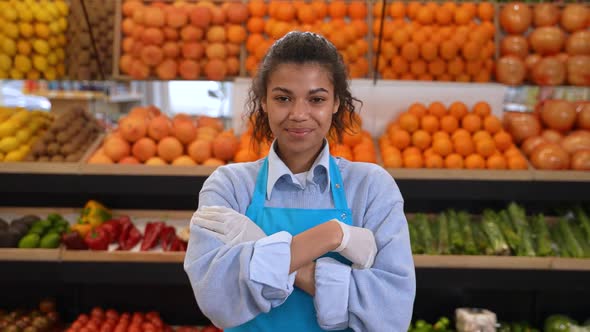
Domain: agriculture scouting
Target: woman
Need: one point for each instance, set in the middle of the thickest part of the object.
(301, 241)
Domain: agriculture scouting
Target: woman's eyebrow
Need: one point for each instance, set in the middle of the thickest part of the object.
(312, 91)
(285, 90)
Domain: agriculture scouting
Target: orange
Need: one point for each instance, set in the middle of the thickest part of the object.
(496, 161)
(412, 9)
(411, 150)
(513, 151)
(421, 139)
(341, 150)
(306, 14)
(429, 51)
(388, 50)
(463, 146)
(481, 134)
(517, 162)
(255, 25)
(485, 11)
(418, 109)
(400, 37)
(425, 15)
(458, 110)
(410, 51)
(399, 65)
(449, 123)
(482, 109)
(437, 109)
(448, 50)
(337, 9)
(443, 16)
(460, 133)
(473, 68)
(400, 139)
(429, 123)
(485, 147)
(419, 37)
(443, 147)
(285, 12)
(320, 8)
(440, 135)
(377, 9)
(407, 77)
(503, 140)
(357, 10)
(409, 122)
(253, 41)
(257, 8)
(428, 152)
(492, 124)
(471, 122)
(433, 161)
(397, 9)
(392, 160)
(360, 26)
(418, 67)
(463, 77)
(462, 16)
(444, 77)
(455, 67)
(437, 67)
(413, 161)
(450, 6)
(454, 161)
(475, 161)
(425, 77)
(471, 50)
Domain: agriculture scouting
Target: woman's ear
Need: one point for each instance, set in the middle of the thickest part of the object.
(263, 105)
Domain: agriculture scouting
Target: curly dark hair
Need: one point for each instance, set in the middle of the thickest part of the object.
(300, 48)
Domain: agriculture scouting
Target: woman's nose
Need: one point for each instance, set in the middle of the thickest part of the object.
(300, 110)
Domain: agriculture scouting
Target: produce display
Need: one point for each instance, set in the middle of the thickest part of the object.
(506, 232)
(67, 138)
(344, 23)
(43, 319)
(443, 324)
(82, 63)
(357, 144)
(437, 136)
(19, 130)
(149, 137)
(432, 41)
(182, 40)
(545, 43)
(33, 39)
(556, 136)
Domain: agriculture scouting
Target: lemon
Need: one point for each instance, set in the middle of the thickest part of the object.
(22, 63)
(23, 135)
(39, 62)
(52, 42)
(61, 40)
(8, 144)
(10, 30)
(23, 47)
(10, 14)
(16, 75)
(50, 74)
(61, 70)
(54, 27)
(5, 62)
(14, 156)
(52, 10)
(26, 29)
(25, 15)
(41, 46)
(62, 7)
(42, 30)
(42, 15)
(61, 54)
(33, 75)
(9, 46)
(52, 58)
(63, 24)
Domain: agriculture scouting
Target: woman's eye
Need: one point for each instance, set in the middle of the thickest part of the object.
(282, 99)
(317, 100)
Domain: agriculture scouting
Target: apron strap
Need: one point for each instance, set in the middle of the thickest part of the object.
(337, 186)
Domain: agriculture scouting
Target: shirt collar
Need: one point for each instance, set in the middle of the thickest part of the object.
(277, 168)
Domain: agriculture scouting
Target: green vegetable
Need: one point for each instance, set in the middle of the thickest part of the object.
(543, 240)
(583, 221)
(417, 247)
(50, 241)
(481, 241)
(29, 241)
(518, 216)
(493, 233)
(577, 231)
(54, 217)
(455, 236)
(44, 223)
(442, 324)
(37, 229)
(508, 230)
(558, 323)
(425, 233)
(572, 245)
(465, 223)
(443, 234)
(559, 241)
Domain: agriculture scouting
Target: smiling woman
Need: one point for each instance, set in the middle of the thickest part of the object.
(300, 240)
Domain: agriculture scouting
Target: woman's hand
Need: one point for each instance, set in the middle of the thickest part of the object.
(357, 245)
(227, 225)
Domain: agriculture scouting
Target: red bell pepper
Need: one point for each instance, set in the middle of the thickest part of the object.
(152, 235)
(97, 239)
(130, 235)
(113, 227)
(178, 244)
(166, 237)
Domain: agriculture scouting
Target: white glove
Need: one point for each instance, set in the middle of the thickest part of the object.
(358, 246)
(228, 225)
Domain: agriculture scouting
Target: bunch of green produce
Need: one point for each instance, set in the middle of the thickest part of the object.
(45, 233)
(562, 323)
(443, 324)
(516, 327)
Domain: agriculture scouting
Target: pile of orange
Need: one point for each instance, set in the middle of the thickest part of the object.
(344, 23)
(356, 145)
(436, 136)
(146, 136)
(182, 40)
(435, 41)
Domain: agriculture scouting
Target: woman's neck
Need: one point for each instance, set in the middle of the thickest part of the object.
(299, 162)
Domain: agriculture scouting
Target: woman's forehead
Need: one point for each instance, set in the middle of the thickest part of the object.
(300, 75)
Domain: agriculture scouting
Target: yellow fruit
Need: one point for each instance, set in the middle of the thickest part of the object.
(52, 42)
(62, 7)
(54, 27)
(52, 10)
(21, 117)
(50, 74)
(5, 62)
(1, 156)
(22, 63)
(24, 149)
(23, 47)
(26, 29)
(25, 15)
(61, 70)
(14, 156)
(52, 58)
(16, 75)
(10, 30)
(8, 144)
(42, 30)
(41, 46)
(33, 75)
(34, 125)
(61, 54)
(8, 128)
(10, 14)
(3, 74)
(61, 40)
(23, 135)
(39, 62)
(63, 24)
(9, 47)
(42, 15)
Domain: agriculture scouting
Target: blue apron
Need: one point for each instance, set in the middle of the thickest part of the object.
(297, 313)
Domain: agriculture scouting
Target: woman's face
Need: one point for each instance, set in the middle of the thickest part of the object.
(299, 103)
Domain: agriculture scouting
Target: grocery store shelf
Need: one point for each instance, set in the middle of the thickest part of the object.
(569, 176)
(121, 256)
(145, 170)
(501, 262)
(28, 255)
(38, 168)
(458, 174)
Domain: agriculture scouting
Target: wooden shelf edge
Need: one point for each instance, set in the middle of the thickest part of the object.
(23, 167)
(460, 174)
(121, 256)
(568, 175)
(29, 255)
(146, 170)
(570, 264)
(483, 262)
